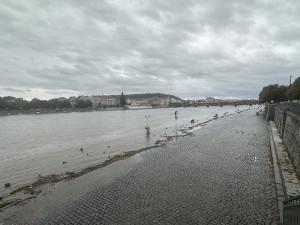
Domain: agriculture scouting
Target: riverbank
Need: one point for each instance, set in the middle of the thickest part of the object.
(219, 174)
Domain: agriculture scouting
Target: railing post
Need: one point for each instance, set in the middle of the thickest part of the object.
(291, 211)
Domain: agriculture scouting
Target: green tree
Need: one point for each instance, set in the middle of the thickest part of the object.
(293, 92)
(52, 104)
(12, 103)
(35, 103)
(122, 100)
(274, 92)
(2, 103)
(65, 104)
(83, 104)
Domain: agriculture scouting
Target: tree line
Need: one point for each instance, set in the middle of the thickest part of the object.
(280, 93)
(12, 103)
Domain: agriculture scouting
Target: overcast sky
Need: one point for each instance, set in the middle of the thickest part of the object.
(192, 49)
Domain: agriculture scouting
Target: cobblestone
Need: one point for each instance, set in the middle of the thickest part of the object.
(219, 175)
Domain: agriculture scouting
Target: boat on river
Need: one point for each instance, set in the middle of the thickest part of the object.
(141, 106)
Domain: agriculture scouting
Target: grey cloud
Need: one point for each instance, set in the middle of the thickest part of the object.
(12, 90)
(187, 48)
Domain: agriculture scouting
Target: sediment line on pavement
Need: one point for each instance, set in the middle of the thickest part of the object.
(34, 188)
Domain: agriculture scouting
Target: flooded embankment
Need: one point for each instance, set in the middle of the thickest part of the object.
(43, 149)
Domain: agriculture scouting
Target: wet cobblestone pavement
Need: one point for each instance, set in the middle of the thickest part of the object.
(219, 175)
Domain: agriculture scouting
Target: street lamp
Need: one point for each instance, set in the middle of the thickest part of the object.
(291, 80)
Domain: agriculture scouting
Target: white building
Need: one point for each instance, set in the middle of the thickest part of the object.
(174, 100)
(104, 100)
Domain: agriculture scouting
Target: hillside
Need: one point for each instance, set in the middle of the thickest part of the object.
(147, 95)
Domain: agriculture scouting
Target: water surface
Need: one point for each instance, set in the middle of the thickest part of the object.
(33, 145)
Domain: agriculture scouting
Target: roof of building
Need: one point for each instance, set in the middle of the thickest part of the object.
(103, 97)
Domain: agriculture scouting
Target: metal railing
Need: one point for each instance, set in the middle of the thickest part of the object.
(291, 211)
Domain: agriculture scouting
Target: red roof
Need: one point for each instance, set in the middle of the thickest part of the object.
(104, 97)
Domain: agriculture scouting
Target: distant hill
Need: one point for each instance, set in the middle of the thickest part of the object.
(146, 95)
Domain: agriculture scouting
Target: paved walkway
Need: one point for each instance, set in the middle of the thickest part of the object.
(220, 175)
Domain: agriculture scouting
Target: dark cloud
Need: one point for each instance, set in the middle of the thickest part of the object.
(12, 90)
(189, 48)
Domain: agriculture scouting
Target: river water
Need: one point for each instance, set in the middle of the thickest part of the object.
(33, 145)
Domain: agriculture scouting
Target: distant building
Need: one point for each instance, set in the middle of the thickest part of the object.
(61, 99)
(105, 100)
(174, 100)
(82, 97)
(155, 101)
(210, 100)
(191, 101)
(130, 101)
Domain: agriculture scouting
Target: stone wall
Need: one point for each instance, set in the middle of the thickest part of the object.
(291, 137)
(280, 120)
(287, 121)
(286, 116)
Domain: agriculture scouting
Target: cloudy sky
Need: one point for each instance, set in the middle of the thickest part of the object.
(189, 48)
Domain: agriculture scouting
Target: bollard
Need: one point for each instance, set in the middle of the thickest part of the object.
(147, 131)
(147, 127)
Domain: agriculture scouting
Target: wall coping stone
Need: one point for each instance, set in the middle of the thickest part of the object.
(280, 110)
(293, 115)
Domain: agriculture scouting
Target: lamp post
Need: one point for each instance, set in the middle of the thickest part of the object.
(291, 80)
